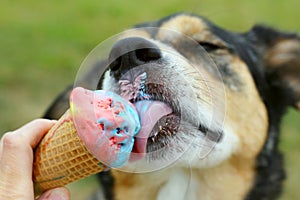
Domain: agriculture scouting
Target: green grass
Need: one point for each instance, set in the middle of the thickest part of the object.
(42, 44)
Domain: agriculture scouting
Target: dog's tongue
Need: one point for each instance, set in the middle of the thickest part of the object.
(149, 112)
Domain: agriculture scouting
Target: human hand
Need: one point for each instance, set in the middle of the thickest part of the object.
(16, 160)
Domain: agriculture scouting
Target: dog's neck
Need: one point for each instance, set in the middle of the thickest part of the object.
(189, 184)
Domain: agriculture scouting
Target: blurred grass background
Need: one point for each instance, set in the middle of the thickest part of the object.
(42, 44)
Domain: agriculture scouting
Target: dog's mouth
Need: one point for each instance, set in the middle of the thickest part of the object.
(159, 116)
(158, 125)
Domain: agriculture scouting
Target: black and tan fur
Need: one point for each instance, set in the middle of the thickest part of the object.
(260, 76)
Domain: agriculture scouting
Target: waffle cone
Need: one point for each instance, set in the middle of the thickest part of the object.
(62, 158)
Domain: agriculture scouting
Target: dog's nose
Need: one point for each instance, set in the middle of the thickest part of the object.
(131, 52)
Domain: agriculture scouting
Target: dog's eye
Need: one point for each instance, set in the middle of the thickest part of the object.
(209, 47)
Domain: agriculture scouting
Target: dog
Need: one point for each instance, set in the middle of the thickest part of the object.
(227, 93)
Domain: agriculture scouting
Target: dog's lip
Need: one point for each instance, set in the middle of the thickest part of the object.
(150, 112)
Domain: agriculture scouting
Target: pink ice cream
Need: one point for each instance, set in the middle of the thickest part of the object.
(106, 123)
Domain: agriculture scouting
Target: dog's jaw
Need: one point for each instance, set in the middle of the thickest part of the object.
(200, 155)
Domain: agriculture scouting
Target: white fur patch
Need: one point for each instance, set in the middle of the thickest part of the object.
(180, 186)
(109, 83)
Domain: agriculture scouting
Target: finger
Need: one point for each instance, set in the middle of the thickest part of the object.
(56, 194)
(33, 132)
(30, 133)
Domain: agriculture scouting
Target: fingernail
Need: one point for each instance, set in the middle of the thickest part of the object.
(58, 194)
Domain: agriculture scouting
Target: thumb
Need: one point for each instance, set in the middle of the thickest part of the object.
(56, 194)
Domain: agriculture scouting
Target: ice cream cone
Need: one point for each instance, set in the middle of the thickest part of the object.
(62, 158)
(96, 132)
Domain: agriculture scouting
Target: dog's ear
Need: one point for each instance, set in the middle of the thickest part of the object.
(281, 56)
